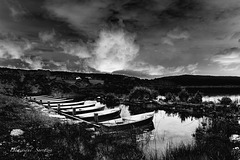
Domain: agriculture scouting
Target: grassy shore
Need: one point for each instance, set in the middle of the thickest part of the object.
(38, 136)
(43, 137)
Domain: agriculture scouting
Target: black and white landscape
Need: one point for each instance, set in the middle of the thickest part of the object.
(120, 79)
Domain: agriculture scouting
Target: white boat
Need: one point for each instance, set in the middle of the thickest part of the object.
(102, 115)
(125, 123)
(43, 98)
(66, 104)
(53, 101)
(74, 106)
(84, 110)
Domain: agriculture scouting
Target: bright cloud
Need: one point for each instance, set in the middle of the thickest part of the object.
(34, 63)
(15, 50)
(75, 49)
(156, 70)
(175, 34)
(114, 50)
(47, 36)
(192, 68)
(10, 50)
(167, 40)
(178, 33)
(60, 65)
(227, 57)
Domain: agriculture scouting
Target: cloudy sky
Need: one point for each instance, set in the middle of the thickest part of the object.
(143, 38)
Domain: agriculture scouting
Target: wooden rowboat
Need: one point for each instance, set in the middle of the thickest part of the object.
(51, 100)
(102, 115)
(74, 106)
(84, 110)
(54, 101)
(66, 104)
(127, 123)
(46, 97)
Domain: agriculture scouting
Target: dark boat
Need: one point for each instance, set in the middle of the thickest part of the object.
(102, 115)
(126, 123)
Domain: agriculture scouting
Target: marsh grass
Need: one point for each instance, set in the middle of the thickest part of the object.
(211, 143)
(210, 151)
(59, 142)
(43, 138)
(119, 146)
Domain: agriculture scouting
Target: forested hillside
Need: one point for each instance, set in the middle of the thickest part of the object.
(19, 82)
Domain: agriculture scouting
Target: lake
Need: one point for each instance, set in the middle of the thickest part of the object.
(174, 129)
(216, 98)
(169, 129)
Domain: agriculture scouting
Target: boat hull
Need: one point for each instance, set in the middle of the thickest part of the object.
(128, 126)
(45, 102)
(103, 117)
(76, 106)
(66, 104)
(84, 110)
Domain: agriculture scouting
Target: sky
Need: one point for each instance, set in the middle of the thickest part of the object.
(146, 39)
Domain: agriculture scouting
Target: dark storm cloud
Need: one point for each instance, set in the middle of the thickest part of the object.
(28, 18)
(84, 16)
(182, 9)
(154, 37)
(133, 15)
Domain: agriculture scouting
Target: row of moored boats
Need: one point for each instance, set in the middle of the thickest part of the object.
(95, 113)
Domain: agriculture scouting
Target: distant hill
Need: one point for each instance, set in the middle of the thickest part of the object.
(199, 80)
(21, 82)
(208, 85)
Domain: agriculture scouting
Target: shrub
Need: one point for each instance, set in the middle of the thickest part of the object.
(141, 94)
(226, 101)
(170, 97)
(197, 98)
(183, 95)
(111, 100)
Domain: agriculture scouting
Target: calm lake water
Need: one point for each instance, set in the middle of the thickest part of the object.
(171, 130)
(216, 98)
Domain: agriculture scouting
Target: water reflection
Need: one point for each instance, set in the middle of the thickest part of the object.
(216, 98)
(169, 129)
(183, 115)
